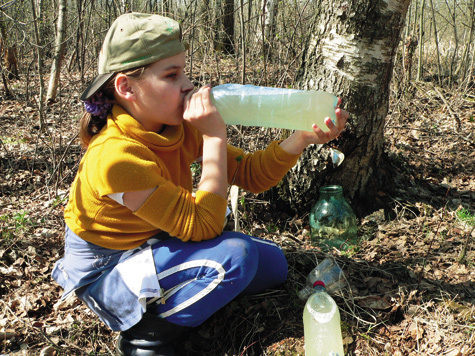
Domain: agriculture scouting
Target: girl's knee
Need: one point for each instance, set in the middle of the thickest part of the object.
(241, 250)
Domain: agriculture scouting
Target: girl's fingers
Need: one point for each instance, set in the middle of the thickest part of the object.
(334, 131)
(320, 134)
(207, 95)
(188, 100)
(200, 101)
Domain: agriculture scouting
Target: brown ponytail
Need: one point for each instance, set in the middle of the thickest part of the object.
(91, 125)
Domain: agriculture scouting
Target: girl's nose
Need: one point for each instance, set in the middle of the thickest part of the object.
(187, 85)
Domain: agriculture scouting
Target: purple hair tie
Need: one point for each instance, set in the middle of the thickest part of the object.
(97, 106)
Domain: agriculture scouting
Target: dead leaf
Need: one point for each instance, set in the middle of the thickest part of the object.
(415, 331)
(453, 352)
(9, 271)
(375, 302)
(65, 303)
(48, 351)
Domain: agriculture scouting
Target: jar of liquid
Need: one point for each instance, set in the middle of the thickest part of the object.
(332, 220)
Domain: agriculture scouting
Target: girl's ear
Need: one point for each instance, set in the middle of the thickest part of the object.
(124, 88)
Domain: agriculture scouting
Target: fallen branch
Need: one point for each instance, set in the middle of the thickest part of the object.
(452, 114)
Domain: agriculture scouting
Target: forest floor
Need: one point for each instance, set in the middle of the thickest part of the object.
(410, 279)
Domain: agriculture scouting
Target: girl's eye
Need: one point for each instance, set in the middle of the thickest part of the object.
(172, 75)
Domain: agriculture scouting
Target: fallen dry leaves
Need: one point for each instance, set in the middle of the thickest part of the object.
(408, 291)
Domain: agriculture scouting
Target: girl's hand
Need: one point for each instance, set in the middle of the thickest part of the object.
(297, 142)
(202, 114)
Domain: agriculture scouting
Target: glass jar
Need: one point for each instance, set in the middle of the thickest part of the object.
(332, 221)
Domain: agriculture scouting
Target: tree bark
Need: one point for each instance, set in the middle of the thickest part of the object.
(3, 49)
(39, 53)
(420, 63)
(436, 42)
(228, 26)
(463, 64)
(58, 53)
(269, 13)
(350, 52)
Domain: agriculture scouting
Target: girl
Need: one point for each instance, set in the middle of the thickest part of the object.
(147, 256)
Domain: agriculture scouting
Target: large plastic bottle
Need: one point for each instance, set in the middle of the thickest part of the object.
(273, 107)
(321, 320)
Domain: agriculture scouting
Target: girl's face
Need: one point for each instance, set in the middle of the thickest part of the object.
(160, 92)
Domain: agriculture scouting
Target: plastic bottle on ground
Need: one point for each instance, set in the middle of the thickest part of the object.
(329, 273)
(322, 330)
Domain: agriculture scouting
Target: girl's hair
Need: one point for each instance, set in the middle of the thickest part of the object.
(99, 107)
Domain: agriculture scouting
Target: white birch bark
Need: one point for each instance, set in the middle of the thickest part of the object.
(58, 53)
(350, 52)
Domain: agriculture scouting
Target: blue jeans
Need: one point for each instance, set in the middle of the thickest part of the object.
(199, 278)
(182, 282)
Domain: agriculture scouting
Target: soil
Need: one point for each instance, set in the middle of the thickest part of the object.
(410, 282)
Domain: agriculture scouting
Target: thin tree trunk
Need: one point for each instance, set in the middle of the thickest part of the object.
(264, 45)
(79, 37)
(243, 42)
(192, 44)
(269, 11)
(58, 53)
(420, 62)
(456, 40)
(39, 52)
(228, 25)
(3, 49)
(468, 80)
(166, 6)
(204, 15)
(436, 39)
(461, 69)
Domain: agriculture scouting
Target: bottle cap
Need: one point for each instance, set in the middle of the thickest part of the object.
(318, 283)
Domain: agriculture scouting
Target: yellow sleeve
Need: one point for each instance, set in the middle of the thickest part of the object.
(261, 170)
(174, 210)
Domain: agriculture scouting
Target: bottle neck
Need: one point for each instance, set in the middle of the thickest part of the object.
(318, 286)
(331, 191)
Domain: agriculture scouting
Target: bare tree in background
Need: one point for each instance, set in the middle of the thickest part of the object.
(420, 65)
(58, 53)
(464, 61)
(268, 16)
(226, 36)
(436, 42)
(39, 53)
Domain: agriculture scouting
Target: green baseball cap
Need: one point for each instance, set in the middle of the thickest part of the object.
(135, 40)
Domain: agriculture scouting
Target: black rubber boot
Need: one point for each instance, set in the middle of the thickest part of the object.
(151, 336)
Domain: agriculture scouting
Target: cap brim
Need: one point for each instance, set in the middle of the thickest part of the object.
(96, 85)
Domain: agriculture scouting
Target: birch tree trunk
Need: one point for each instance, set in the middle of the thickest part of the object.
(269, 13)
(350, 52)
(39, 53)
(58, 53)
